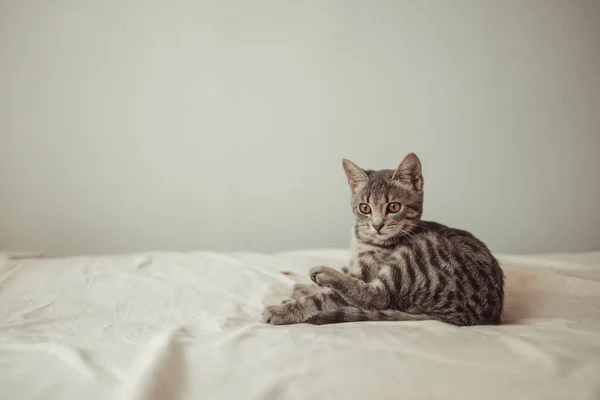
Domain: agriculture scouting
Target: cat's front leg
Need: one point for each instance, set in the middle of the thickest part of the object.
(298, 311)
(349, 271)
(326, 276)
(302, 289)
(372, 295)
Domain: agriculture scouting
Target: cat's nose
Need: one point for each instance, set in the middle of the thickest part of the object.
(378, 227)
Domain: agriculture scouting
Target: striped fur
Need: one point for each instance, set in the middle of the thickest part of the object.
(409, 269)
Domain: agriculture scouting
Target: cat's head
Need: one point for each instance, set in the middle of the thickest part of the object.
(386, 203)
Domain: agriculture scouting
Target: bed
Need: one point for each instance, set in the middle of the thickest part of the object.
(187, 326)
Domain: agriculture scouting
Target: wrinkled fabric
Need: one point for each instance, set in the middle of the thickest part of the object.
(187, 326)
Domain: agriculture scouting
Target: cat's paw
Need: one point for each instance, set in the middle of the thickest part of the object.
(281, 315)
(324, 276)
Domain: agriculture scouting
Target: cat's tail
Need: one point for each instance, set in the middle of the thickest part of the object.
(354, 314)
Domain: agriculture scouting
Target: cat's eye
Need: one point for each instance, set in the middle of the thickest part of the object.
(393, 208)
(364, 208)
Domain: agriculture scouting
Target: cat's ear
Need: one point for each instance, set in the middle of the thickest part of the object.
(355, 174)
(409, 170)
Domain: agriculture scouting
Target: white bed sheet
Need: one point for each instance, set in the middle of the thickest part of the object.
(187, 326)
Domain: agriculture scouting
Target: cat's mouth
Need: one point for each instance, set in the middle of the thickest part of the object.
(381, 234)
(385, 233)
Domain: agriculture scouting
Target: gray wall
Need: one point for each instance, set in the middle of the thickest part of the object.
(185, 125)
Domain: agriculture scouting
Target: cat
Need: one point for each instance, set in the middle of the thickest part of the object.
(404, 268)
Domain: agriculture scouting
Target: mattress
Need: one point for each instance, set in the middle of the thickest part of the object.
(188, 326)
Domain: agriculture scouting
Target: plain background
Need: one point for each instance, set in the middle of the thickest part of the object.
(189, 125)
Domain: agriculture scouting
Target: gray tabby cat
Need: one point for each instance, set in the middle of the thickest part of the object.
(404, 269)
